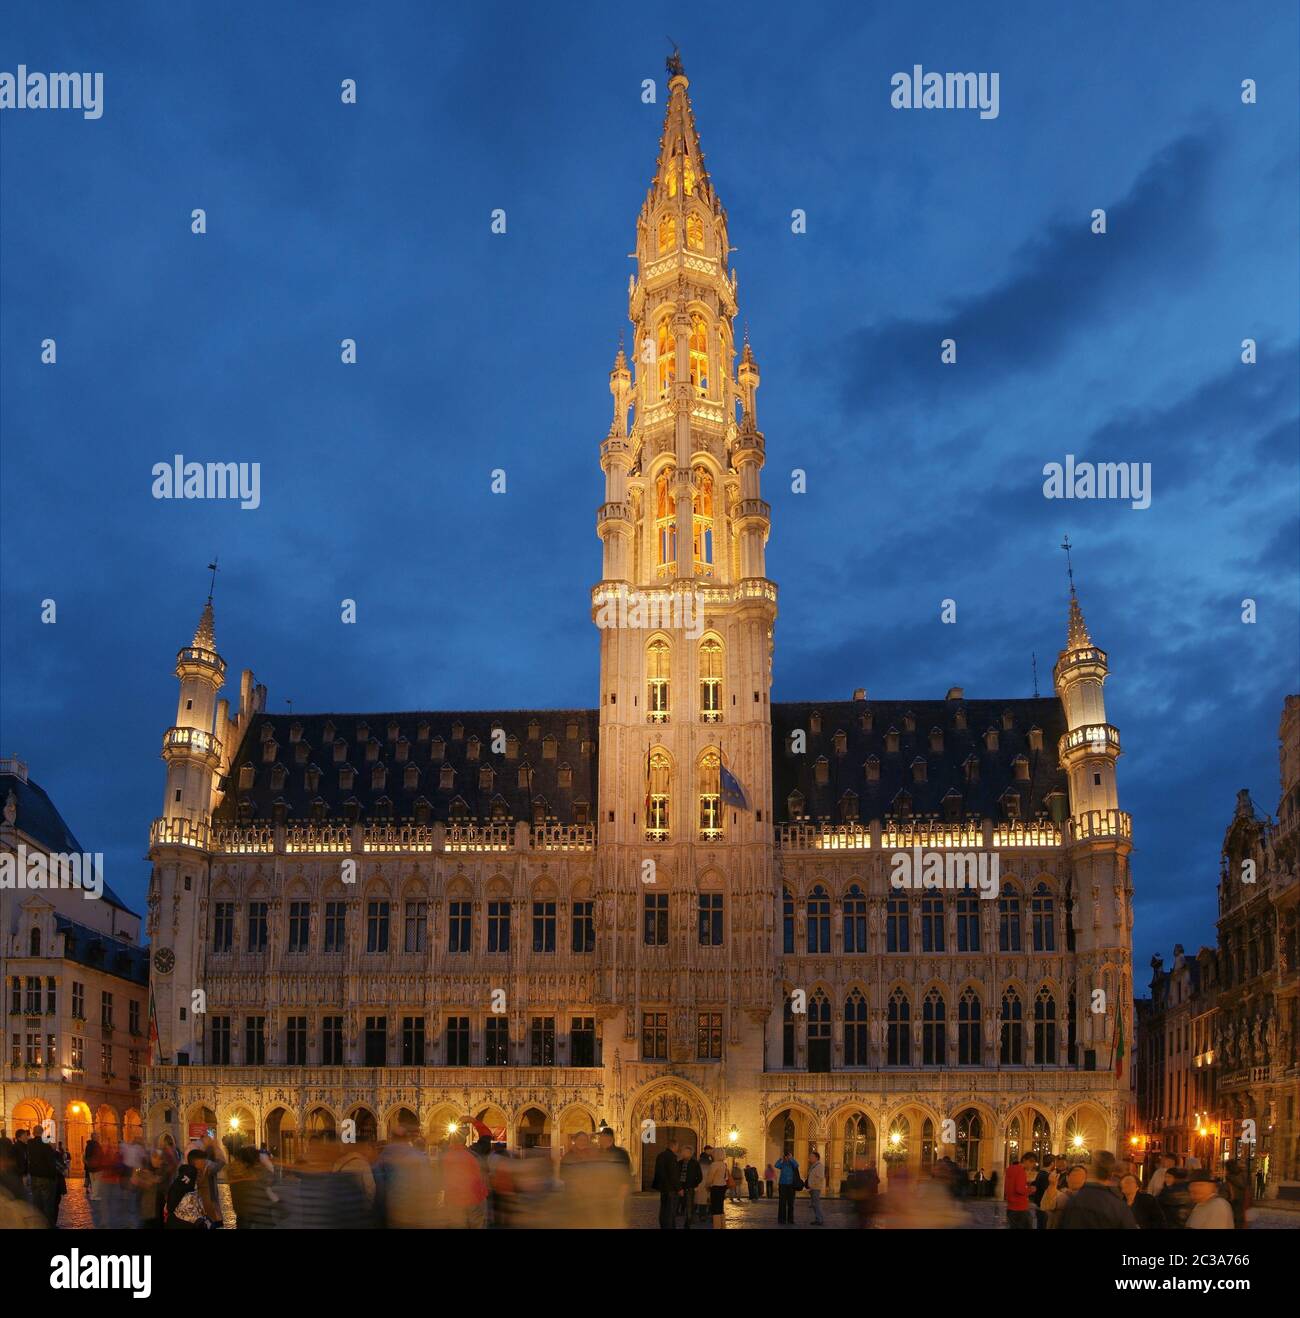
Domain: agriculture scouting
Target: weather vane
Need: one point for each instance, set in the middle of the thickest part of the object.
(1033, 656)
(212, 585)
(674, 61)
(1069, 562)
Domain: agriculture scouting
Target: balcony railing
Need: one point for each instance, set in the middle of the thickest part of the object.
(1096, 736)
(808, 836)
(1101, 824)
(193, 739)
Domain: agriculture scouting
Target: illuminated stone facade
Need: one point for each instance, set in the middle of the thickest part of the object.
(664, 935)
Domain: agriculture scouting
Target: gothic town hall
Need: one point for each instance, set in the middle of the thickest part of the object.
(671, 912)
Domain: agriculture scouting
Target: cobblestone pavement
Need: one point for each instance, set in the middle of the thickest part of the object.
(643, 1212)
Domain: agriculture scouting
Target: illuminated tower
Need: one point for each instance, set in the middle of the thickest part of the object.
(1100, 840)
(686, 616)
(180, 841)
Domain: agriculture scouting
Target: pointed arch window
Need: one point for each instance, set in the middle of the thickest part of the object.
(659, 794)
(711, 680)
(1045, 1027)
(1042, 1137)
(970, 1043)
(970, 1135)
(695, 233)
(932, 919)
(702, 508)
(968, 924)
(710, 796)
(819, 920)
(900, 1029)
(855, 1029)
(666, 349)
(688, 177)
(855, 920)
(699, 354)
(658, 688)
(934, 1029)
(667, 234)
(1013, 1030)
(1042, 911)
(665, 523)
(819, 1032)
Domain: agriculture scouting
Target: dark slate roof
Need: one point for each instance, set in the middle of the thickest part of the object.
(297, 801)
(39, 818)
(89, 947)
(945, 770)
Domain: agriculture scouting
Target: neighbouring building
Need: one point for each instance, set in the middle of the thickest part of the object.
(671, 912)
(75, 987)
(1258, 1040)
(1175, 1060)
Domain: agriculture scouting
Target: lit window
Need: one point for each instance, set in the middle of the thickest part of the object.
(667, 233)
(658, 689)
(711, 680)
(710, 796)
(694, 233)
(699, 354)
(702, 506)
(657, 815)
(667, 358)
(665, 523)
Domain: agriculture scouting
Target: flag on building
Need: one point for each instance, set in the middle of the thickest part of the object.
(153, 1030)
(1119, 1046)
(731, 791)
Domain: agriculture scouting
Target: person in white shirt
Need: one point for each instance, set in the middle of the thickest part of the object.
(1211, 1212)
(816, 1184)
(1157, 1182)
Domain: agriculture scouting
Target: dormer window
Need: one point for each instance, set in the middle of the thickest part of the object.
(311, 779)
(245, 777)
(363, 732)
(534, 729)
(849, 808)
(277, 778)
(841, 742)
(972, 769)
(909, 722)
(267, 731)
(347, 775)
(486, 777)
(499, 808)
(295, 733)
(952, 806)
(581, 812)
(815, 722)
(319, 810)
(586, 748)
(458, 810)
(1011, 805)
(472, 748)
(959, 718)
(539, 812)
(918, 770)
(437, 750)
(458, 731)
(269, 751)
(903, 805)
(571, 730)
(524, 776)
(821, 772)
(1008, 720)
(891, 741)
(383, 808)
(340, 751)
(866, 720)
(1035, 738)
(403, 750)
(393, 730)
(936, 741)
(423, 810)
(549, 748)
(564, 777)
(446, 778)
(300, 752)
(872, 767)
(378, 778)
(1021, 767)
(372, 750)
(512, 748)
(327, 732)
(794, 804)
(422, 730)
(991, 739)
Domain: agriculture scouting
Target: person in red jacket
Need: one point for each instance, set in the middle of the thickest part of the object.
(1016, 1193)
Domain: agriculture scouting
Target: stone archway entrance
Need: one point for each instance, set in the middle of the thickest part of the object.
(664, 1113)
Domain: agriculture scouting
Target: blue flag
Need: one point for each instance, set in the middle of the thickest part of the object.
(732, 792)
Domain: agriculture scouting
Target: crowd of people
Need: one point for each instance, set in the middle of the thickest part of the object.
(472, 1181)
(1107, 1194)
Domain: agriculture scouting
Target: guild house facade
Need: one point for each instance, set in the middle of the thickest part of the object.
(672, 912)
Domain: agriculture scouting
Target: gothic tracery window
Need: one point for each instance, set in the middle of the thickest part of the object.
(695, 233)
(659, 791)
(667, 234)
(710, 796)
(711, 680)
(666, 358)
(699, 355)
(658, 688)
(702, 508)
(665, 523)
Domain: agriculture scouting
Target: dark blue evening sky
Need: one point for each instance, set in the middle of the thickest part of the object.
(479, 351)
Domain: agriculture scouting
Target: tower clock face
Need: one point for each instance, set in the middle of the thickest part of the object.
(163, 960)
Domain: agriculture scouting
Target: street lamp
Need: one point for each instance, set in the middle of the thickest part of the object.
(733, 1136)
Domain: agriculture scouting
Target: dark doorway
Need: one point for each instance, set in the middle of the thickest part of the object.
(685, 1138)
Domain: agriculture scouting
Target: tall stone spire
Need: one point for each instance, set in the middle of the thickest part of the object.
(1077, 637)
(680, 164)
(205, 635)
